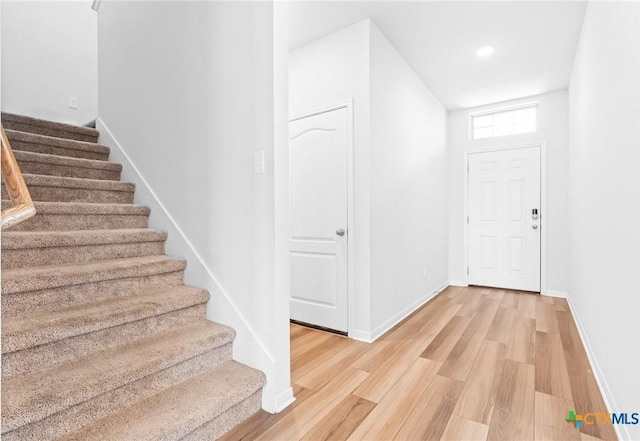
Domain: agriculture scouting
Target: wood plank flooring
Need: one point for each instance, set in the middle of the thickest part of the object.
(472, 364)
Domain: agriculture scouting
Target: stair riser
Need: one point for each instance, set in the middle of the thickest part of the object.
(40, 168)
(20, 258)
(19, 334)
(74, 417)
(64, 194)
(57, 150)
(74, 222)
(39, 357)
(223, 423)
(48, 131)
(65, 296)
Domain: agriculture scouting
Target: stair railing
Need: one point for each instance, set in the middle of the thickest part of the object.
(22, 205)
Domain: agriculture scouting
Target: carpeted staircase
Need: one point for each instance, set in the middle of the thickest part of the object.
(101, 339)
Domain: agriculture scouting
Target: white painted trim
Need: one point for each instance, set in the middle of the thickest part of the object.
(621, 430)
(441, 288)
(348, 103)
(351, 246)
(360, 335)
(259, 355)
(542, 218)
(543, 206)
(465, 219)
(351, 268)
(458, 283)
(505, 108)
(284, 400)
(470, 117)
(156, 201)
(553, 293)
(370, 337)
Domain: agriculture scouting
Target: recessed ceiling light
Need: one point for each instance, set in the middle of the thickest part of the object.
(485, 51)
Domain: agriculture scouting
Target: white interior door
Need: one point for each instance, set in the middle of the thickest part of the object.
(318, 218)
(504, 218)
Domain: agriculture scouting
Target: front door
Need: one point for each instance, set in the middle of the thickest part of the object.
(504, 218)
(318, 218)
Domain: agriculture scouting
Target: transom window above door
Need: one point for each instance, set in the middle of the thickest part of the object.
(503, 122)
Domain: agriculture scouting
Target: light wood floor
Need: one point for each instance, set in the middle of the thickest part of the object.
(472, 364)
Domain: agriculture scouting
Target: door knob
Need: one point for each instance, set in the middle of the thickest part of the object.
(340, 232)
(535, 227)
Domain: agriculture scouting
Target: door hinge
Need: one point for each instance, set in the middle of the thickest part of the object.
(467, 219)
(467, 271)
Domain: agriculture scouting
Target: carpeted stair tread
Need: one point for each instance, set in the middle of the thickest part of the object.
(49, 288)
(73, 418)
(64, 189)
(26, 331)
(64, 216)
(41, 248)
(20, 240)
(67, 182)
(50, 128)
(25, 141)
(56, 165)
(44, 207)
(180, 410)
(19, 280)
(37, 395)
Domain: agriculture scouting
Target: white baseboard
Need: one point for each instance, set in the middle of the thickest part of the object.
(248, 346)
(621, 430)
(458, 283)
(360, 335)
(370, 337)
(284, 400)
(552, 293)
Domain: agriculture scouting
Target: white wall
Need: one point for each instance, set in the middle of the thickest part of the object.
(408, 174)
(605, 198)
(400, 219)
(187, 90)
(330, 70)
(49, 53)
(553, 129)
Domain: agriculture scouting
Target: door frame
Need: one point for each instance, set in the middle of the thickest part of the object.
(543, 206)
(346, 104)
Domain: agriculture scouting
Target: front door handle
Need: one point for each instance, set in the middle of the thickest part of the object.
(340, 232)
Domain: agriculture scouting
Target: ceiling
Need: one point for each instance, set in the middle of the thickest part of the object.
(535, 42)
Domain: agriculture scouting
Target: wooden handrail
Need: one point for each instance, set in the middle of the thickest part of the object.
(23, 207)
